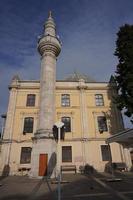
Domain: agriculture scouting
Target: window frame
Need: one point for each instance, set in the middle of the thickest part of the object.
(99, 100)
(65, 100)
(25, 156)
(28, 128)
(66, 126)
(66, 158)
(105, 152)
(103, 127)
(30, 102)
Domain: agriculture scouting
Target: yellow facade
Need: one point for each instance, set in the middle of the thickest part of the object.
(85, 138)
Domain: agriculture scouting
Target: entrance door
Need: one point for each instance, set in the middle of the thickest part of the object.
(43, 158)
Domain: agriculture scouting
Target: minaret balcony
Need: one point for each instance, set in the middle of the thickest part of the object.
(49, 43)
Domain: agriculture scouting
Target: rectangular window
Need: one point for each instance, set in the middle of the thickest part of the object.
(30, 100)
(102, 124)
(67, 123)
(65, 100)
(25, 155)
(106, 153)
(28, 125)
(99, 100)
(66, 154)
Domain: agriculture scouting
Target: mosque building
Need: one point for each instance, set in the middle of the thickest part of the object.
(84, 106)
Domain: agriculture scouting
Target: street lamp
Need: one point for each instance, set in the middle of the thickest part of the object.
(59, 125)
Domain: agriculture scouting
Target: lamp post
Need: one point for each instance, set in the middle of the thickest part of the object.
(59, 125)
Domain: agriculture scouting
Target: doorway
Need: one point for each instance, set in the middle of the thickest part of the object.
(43, 159)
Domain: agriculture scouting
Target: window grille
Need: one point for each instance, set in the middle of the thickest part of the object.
(65, 100)
(106, 153)
(66, 154)
(99, 100)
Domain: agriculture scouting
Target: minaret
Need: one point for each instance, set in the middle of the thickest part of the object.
(49, 48)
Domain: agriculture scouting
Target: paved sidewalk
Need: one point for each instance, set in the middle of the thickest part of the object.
(77, 187)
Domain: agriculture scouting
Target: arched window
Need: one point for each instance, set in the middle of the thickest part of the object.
(28, 125)
(67, 123)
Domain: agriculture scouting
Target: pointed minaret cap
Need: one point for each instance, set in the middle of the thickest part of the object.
(50, 18)
(49, 41)
(50, 14)
(49, 26)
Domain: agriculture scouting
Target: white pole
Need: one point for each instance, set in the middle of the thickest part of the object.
(59, 125)
(59, 161)
(110, 159)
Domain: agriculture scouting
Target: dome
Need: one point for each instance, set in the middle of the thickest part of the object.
(76, 76)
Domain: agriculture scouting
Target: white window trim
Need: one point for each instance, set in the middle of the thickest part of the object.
(60, 115)
(61, 153)
(24, 115)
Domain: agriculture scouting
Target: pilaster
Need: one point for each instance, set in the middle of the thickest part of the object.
(8, 131)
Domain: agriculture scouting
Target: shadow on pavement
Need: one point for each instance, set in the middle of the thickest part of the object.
(78, 187)
(15, 197)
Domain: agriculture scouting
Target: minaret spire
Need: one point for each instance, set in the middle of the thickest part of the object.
(50, 14)
(49, 26)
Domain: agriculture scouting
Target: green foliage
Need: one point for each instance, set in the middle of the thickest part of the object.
(124, 71)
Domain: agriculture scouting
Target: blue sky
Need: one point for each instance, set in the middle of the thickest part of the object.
(86, 28)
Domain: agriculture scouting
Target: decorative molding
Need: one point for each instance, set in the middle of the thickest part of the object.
(29, 113)
(82, 87)
(67, 107)
(99, 107)
(84, 139)
(28, 107)
(65, 113)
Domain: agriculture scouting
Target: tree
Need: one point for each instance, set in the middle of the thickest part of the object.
(124, 70)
